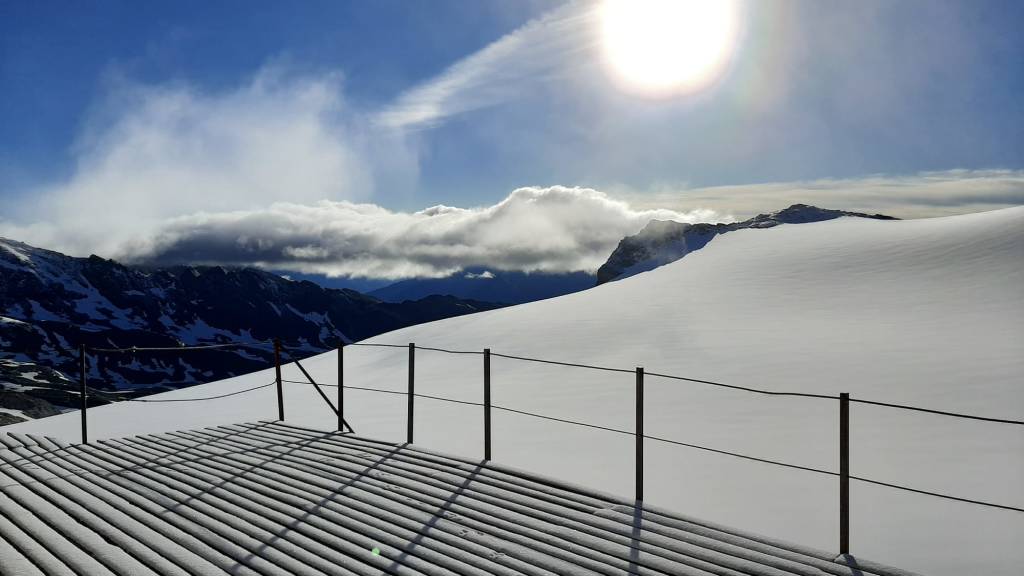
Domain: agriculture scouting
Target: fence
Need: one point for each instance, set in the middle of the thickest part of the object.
(844, 400)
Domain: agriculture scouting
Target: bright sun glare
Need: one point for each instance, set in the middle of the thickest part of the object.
(667, 47)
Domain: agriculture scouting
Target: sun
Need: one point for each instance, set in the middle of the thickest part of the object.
(668, 47)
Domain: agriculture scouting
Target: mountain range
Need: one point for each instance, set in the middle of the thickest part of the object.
(50, 304)
(506, 286)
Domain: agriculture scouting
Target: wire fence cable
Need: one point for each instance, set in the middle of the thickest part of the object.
(135, 349)
(235, 393)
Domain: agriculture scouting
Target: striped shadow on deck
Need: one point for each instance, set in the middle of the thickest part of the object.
(275, 499)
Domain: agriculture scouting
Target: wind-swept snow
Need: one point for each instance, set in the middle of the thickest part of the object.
(922, 312)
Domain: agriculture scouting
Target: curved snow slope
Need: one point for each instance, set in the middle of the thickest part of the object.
(922, 312)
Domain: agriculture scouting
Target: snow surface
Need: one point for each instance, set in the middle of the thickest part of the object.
(14, 412)
(15, 252)
(922, 312)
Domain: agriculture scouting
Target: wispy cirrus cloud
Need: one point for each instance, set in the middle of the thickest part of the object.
(501, 71)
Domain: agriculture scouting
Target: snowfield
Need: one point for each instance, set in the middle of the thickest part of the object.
(922, 312)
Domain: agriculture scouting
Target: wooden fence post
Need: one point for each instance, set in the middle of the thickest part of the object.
(412, 392)
(277, 369)
(83, 393)
(639, 434)
(487, 403)
(844, 473)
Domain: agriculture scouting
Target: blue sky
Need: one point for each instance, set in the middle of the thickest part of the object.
(176, 117)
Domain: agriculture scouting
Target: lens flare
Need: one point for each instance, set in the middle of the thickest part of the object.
(668, 47)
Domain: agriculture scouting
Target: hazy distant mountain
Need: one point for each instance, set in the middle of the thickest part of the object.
(664, 241)
(51, 303)
(490, 286)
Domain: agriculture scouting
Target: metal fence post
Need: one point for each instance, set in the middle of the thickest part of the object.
(83, 394)
(487, 403)
(844, 473)
(412, 392)
(639, 434)
(277, 369)
(341, 387)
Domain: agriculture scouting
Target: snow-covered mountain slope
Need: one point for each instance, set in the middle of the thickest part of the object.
(922, 312)
(664, 241)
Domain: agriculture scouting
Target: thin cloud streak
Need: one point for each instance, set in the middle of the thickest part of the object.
(923, 195)
(501, 71)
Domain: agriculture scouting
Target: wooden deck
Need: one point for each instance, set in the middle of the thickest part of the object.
(275, 499)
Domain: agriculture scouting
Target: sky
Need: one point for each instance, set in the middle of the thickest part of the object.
(395, 139)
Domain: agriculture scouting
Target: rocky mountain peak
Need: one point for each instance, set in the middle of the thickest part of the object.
(664, 241)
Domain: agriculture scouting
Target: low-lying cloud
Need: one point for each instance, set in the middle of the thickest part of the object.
(923, 195)
(553, 229)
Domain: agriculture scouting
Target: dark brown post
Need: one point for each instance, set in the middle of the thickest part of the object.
(412, 392)
(487, 403)
(83, 394)
(341, 387)
(277, 369)
(639, 434)
(844, 473)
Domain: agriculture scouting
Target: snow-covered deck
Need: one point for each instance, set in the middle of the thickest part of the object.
(271, 498)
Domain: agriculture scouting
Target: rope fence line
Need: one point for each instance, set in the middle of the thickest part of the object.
(734, 387)
(133, 349)
(936, 494)
(557, 363)
(106, 395)
(235, 393)
(375, 345)
(706, 382)
(688, 445)
(183, 348)
(940, 412)
(474, 352)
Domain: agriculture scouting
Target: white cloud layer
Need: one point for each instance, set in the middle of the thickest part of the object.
(533, 229)
(157, 152)
(552, 229)
(923, 195)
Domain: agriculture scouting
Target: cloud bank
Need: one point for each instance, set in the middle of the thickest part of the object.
(155, 152)
(923, 195)
(553, 229)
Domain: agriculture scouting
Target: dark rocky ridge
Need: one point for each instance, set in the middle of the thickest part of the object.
(664, 241)
(51, 303)
(509, 287)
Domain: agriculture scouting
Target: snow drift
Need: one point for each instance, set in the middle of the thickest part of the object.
(922, 312)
